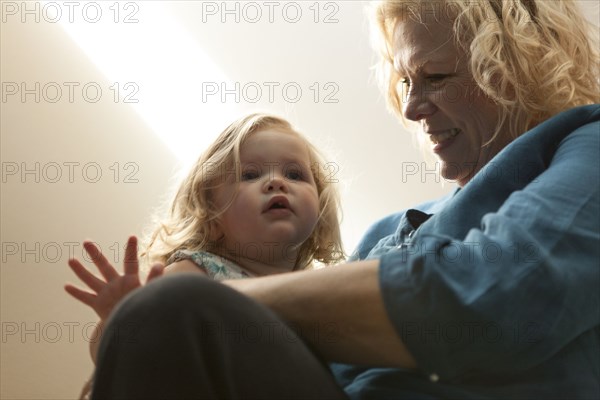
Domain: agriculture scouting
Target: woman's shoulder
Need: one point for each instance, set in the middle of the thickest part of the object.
(567, 122)
(389, 225)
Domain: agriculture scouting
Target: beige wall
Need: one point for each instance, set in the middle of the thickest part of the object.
(45, 216)
(43, 344)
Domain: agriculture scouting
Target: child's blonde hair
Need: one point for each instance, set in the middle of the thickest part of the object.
(534, 59)
(192, 223)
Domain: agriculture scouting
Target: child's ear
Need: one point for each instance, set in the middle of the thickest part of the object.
(215, 231)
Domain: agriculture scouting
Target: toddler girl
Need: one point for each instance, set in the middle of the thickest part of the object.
(255, 203)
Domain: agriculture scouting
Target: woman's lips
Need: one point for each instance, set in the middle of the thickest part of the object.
(443, 139)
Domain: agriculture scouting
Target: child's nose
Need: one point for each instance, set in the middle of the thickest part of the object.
(275, 184)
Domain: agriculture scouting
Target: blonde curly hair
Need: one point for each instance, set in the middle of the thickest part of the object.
(192, 223)
(534, 59)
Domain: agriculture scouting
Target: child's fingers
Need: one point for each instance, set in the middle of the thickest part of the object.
(105, 268)
(86, 276)
(81, 295)
(130, 263)
(155, 272)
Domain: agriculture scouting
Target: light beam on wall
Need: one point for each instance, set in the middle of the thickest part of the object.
(141, 47)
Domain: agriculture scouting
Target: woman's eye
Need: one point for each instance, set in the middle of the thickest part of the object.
(436, 78)
(249, 175)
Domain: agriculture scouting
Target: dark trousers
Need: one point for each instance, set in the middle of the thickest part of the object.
(188, 337)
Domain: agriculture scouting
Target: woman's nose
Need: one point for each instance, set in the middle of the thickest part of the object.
(416, 105)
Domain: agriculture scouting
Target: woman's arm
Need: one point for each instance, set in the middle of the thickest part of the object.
(339, 310)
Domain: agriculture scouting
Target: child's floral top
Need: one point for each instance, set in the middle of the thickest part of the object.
(216, 267)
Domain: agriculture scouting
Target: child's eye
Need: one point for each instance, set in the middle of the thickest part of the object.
(294, 175)
(250, 175)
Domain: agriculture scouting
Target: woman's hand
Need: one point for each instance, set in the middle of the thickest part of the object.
(110, 291)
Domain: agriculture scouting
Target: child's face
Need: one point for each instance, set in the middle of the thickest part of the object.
(276, 205)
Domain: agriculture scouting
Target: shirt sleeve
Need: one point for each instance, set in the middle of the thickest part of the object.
(516, 289)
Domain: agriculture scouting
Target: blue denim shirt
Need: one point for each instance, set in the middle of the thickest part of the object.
(497, 294)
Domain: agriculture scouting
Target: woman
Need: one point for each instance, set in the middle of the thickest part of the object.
(489, 293)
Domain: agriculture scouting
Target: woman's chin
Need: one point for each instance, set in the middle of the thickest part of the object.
(456, 173)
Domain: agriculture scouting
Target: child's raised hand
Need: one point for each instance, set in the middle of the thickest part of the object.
(115, 287)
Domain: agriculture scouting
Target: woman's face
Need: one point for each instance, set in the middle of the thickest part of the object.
(438, 91)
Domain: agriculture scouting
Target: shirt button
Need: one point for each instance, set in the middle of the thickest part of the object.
(434, 377)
